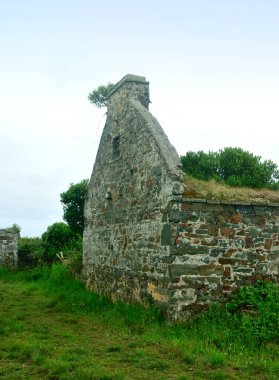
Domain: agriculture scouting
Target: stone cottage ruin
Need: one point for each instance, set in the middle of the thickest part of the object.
(8, 248)
(144, 242)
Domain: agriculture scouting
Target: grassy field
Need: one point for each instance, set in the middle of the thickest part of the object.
(52, 328)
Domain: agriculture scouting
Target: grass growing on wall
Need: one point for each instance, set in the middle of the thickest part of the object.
(52, 328)
(196, 188)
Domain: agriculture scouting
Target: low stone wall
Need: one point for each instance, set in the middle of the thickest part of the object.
(216, 247)
(8, 248)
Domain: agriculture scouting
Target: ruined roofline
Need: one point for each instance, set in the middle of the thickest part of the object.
(125, 79)
(166, 149)
(9, 230)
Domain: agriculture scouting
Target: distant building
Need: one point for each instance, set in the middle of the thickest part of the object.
(8, 248)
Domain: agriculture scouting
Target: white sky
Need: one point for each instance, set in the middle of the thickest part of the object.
(213, 67)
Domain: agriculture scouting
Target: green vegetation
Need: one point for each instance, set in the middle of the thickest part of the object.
(56, 239)
(232, 166)
(197, 188)
(60, 241)
(16, 228)
(30, 252)
(52, 328)
(99, 96)
(73, 205)
(58, 244)
(259, 306)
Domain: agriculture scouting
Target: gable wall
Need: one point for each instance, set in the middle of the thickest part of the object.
(131, 184)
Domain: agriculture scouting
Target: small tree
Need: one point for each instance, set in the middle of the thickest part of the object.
(99, 96)
(57, 237)
(73, 205)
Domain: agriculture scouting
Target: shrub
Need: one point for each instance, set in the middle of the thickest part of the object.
(57, 237)
(201, 165)
(30, 251)
(257, 311)
(232, 166)
(73, 262)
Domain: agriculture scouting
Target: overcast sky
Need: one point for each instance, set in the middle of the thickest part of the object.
(213, 67)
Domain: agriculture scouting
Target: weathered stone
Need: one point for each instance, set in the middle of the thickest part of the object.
(213, 230)
(166, 236)
(245, 210)
(185, 206)
(241, 232)
(222, 219)
(227, 231)
(202, 206)
(238, 269)
(183, 216)
(210, 269)
(209, 241)
(143, 242)
(249, 242)
(201, 231)
(227, 271)
(268, 244)
(177, 270)
(262, 220)
(8, 248)
(217, 251)
(254, 232)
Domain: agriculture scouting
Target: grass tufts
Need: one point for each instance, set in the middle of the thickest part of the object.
(53, 328)
(196, 188)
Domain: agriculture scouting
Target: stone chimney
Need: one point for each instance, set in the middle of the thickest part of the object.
(129, 87)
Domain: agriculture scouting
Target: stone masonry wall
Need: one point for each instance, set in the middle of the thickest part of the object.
(135, 174)
(216, 248)
(143, 242)
(8, 248)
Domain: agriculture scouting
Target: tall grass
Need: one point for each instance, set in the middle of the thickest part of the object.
(252, 314)
(243, 334)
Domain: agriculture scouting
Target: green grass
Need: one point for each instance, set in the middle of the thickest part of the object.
(52, 328)
(197, 188)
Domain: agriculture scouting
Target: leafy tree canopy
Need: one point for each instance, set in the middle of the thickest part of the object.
(99, 96)
(73, 205)
(232, 166)
(57, 236)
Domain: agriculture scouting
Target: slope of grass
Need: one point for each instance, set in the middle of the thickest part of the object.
(195, 188)
(52, 328)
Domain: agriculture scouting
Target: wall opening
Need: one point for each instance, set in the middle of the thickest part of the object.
(116, 147)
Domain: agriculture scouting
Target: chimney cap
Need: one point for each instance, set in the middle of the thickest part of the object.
(125, 79)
